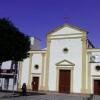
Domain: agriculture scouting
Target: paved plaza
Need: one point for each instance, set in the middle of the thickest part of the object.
(48, 96)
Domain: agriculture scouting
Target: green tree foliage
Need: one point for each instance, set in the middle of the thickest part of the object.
(14, 45)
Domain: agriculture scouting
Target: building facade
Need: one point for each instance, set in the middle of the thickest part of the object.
(69, 64)
(8, 76)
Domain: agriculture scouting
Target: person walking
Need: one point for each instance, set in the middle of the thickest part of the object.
(24, 89)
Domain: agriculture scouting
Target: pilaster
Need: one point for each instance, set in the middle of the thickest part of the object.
(84, 51)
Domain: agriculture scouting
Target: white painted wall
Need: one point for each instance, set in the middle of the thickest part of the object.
(94, 73)
(35, 45)
(74, 55)
(37, 60)
(96, 62)
(93, 69)
(25, 71)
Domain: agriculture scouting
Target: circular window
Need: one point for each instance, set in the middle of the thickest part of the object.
(36, 66)
(65, 50)
(97, 67)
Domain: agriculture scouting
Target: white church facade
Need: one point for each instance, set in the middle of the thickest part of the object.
(69, 64)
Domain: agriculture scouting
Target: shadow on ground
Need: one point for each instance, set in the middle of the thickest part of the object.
(18, 94)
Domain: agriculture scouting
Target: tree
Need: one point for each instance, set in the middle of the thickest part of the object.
(14, 45)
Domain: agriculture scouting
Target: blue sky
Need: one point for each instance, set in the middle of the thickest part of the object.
(38, 17)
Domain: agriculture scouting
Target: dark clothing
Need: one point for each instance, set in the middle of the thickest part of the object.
(24, 88)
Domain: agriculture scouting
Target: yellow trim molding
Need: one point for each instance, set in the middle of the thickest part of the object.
(42, 75)
(89, 74)
(20, 75)
(47, 63)
(30, 73)
(84, 52)
(37, 75)
(67, 25)
(67, 63)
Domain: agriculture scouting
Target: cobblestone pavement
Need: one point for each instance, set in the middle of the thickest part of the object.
(49, 96)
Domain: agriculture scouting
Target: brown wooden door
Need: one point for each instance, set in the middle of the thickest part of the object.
(35, 83)
(64, 81)
(97, 87)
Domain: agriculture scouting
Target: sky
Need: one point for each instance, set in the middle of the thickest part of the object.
(38, 17)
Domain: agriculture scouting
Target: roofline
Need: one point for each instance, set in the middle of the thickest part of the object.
(37, 51)
(91, 43)
(67, 25)
(93, 50)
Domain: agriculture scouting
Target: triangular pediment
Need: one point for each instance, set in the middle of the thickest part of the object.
(66, 29)
(65, 63)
